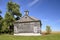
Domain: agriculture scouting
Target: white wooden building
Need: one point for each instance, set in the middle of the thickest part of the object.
(27, 25)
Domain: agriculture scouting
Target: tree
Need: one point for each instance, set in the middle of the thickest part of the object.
(5, 27)
(0, 15)
(1, 18)
(0, 23)
(9, 18)
(0, 11)
(8, 22)
(48, 29)
(13, 8)
(12, 11)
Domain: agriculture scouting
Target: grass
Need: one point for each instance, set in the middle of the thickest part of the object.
(43, 37)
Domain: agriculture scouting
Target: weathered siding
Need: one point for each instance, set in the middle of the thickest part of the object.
(27, 27)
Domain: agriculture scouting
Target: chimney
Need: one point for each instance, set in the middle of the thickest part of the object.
(26, 12)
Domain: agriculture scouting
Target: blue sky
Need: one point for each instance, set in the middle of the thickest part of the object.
(48, 11)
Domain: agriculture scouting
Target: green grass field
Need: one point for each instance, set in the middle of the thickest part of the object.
(43, 37)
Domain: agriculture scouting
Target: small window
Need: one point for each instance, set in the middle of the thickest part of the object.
(25, 17)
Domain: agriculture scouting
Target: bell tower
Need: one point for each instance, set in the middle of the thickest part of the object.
(26, 12)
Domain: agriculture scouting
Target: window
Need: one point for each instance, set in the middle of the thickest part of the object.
(25, 17)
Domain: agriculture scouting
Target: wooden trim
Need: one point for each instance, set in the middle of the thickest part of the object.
(27, 21)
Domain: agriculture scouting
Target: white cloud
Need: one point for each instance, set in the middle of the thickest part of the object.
(33, 3)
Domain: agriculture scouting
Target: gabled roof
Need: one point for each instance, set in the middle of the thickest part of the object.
(27, 18)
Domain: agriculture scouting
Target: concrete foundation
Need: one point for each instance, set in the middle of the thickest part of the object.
(28, 34)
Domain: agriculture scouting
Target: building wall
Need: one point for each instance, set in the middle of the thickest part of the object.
(30, 27)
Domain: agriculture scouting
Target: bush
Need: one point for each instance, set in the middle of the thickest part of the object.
(48, 30)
